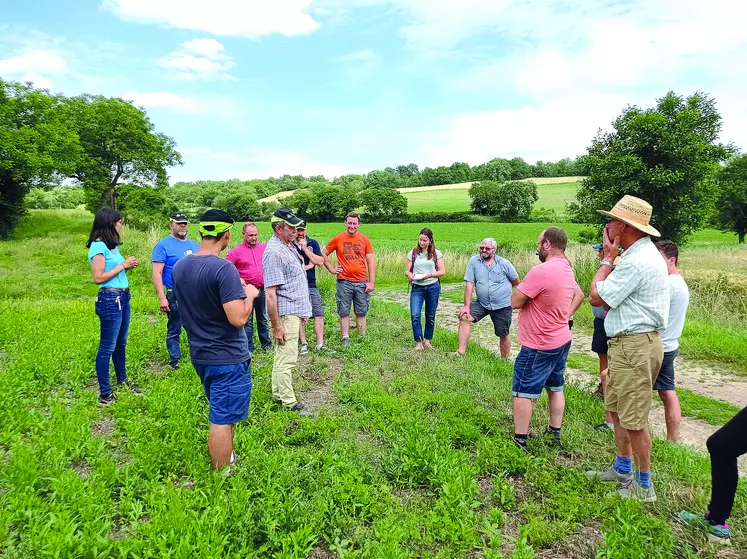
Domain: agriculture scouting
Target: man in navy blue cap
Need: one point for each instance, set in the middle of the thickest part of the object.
(166, 253)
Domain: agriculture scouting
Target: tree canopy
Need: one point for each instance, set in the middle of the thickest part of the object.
(668, 155)
(731, 206)
(510, 201)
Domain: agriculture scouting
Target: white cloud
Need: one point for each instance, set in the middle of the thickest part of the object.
(252, 162)
(248, 18)
(199, 59)
(177, 103)
(35, 65)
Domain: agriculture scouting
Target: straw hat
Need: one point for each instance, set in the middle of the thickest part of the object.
(634, 212)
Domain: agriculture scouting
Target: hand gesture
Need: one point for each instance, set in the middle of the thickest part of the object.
(338, 270)
(464, 313)
(130, 263)
(163, 304)
(369, 286)
(610, 247)
(409, 275)
(251, 291)
(278, 333)
(301, 243)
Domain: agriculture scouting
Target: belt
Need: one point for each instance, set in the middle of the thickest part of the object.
(119, 289)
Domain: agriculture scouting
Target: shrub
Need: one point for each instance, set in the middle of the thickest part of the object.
(510, 201)
(142, 206)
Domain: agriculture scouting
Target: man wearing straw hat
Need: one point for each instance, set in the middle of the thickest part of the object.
(636, 296)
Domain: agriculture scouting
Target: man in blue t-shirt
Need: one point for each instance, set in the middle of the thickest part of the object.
(311, 253)
(215, 307)
(166, 253)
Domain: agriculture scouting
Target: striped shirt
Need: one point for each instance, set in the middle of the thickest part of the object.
(637, 291)
(283, 269)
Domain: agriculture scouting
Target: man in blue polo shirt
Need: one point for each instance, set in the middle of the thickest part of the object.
(166, 253)
(493, 278)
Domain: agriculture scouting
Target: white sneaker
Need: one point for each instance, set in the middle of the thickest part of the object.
(304, 349)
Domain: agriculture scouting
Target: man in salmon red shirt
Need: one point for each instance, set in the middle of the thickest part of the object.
(546, 298)
(354, 285)
(247, 257)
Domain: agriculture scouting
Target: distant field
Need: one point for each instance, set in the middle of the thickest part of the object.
(552, 196)
(420, 191)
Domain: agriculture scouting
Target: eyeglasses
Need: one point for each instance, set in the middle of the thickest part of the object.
(486, 248)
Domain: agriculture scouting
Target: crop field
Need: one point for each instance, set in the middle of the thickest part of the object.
(408, 455)
(552, 196)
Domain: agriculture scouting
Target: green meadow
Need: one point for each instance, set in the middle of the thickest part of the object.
(409, 454)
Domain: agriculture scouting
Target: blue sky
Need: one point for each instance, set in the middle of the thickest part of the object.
(250, 89)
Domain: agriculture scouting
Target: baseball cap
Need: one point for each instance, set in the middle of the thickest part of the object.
(301, 225)
(286, 215)
(215, 222)
(597, 247)
(179, 217)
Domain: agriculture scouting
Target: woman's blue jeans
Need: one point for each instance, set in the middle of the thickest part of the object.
(113, 310)
(427, 294)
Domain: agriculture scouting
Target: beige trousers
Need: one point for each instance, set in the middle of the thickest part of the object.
(286, 358)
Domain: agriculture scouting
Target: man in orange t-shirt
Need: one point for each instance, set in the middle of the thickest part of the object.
(354, 256)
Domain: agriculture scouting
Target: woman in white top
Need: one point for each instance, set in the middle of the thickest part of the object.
(425, 265)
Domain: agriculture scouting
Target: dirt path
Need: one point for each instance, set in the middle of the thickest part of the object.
(711, 383)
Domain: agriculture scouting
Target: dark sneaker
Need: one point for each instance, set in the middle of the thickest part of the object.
(134, 387)
(298, 406)
(174, 366)
(521, 443)
(324, 348)
(553, 439)
(108, 399)
(717, 533)
(346, 341)
(603, 428)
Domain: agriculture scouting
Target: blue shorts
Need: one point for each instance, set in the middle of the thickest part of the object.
(665, 380)
(228, 389)
(535, 369)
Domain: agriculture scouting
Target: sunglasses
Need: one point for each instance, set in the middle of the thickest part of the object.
(486, 248)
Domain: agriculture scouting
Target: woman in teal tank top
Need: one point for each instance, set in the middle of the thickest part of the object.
(109, 269)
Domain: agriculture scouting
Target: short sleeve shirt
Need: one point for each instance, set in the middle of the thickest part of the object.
(112, 259)
(492, 284)
(351, 255)
(311, 272)
(679, 300)
(284, 271)
(637, 291)
(424, 265)
(169, 251)
(543, 320)
(202, 284)
(248, 261)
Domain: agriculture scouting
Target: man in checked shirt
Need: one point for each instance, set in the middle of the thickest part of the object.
(636, 296)
(288, 304)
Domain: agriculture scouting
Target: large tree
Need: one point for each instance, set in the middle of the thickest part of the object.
(36, 147)
(668, 155)
(731, 207)
(509, 202)
(119, 145)
(382, 203)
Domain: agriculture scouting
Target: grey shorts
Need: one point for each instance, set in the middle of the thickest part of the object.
(317, 308)
(501, 317)
(350, 292)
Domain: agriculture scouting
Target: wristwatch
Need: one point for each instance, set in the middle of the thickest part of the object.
(606, 263)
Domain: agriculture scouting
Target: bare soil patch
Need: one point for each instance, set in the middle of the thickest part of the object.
(82, 468)
(581, 545)
(103, 427)
(320, 394)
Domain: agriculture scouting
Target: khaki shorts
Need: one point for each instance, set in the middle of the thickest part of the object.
(634, 364)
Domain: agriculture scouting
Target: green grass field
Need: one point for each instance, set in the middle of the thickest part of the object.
(409, 454)
(551, 197)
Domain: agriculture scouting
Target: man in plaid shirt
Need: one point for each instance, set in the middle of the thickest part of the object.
(636, 297)
(288, 304)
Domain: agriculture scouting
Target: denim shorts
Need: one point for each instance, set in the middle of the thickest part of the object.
(352, 292)
(665, 380)
(535, 369)
(501, 317)
(228, 389)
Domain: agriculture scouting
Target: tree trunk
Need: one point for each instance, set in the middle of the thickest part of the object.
(109, 198)
(741, 238)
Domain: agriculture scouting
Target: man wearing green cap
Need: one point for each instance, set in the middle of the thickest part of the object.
(215, 306)
(288, 303)
(167, 252)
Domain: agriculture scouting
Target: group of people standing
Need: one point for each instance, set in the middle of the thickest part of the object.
(636, 300)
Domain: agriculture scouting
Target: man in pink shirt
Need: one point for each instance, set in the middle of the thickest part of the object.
(546, 298)
(247, 257)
